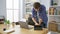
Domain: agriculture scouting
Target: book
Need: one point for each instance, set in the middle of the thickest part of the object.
(54, 10)
(51, 11)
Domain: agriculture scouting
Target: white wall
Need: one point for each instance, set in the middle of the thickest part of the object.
(2, 8)
(55, 1)
(58, 2)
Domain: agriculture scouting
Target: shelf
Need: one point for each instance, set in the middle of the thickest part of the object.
(54, 15)
(28, 13)
(54, 6)
(28, 2)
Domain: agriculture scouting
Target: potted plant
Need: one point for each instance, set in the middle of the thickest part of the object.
(7, 22)
(55, 4)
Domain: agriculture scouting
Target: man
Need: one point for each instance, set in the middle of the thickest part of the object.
(39, 15)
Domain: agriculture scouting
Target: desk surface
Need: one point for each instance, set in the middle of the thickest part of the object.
(19, 30)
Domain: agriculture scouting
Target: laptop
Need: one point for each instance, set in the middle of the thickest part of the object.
(25, 25)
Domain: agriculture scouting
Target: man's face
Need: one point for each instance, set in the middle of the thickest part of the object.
(36, 9)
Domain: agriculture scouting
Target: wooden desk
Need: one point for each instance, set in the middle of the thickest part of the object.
(19, 30)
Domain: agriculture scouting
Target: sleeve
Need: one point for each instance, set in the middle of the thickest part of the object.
(33, 13)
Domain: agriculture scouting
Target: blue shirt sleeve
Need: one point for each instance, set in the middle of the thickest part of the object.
(33, 13)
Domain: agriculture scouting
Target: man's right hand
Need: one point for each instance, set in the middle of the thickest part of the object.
(36, 24)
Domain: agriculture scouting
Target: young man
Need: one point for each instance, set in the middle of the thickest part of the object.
(39, 15)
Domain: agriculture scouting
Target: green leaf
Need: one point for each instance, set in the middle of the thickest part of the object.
(7, 22)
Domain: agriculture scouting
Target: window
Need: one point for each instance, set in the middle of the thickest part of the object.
(12, 8)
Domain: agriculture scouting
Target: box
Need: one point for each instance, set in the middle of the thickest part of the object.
(37, 27)
(53, 26)
(59, 27)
